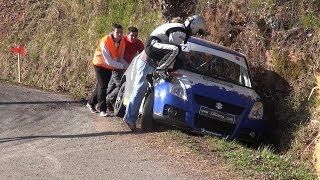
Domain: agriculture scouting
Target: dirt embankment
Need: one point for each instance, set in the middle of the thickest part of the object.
(317, 157)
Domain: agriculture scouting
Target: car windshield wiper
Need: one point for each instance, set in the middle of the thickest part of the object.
(218, 76)
(206, 64)
(232, 80)
(201, 66)
(224, 78)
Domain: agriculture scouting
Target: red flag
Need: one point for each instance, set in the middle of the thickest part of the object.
(19, 49)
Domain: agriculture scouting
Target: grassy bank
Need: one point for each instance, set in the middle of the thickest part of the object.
(262, 162)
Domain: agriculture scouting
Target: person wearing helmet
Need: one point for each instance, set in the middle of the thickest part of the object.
(195, 24)
(160, 52)
(163, 45)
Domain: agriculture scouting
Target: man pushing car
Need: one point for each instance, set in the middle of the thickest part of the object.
(160, 52)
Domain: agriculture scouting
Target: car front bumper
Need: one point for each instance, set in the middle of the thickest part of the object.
(184, 114)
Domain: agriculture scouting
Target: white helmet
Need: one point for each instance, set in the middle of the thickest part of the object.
(196, 24)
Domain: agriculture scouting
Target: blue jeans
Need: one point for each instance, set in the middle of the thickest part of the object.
(139, 90)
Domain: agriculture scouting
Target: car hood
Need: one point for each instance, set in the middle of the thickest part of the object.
(217, 89)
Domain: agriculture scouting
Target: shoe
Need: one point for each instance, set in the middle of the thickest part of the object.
(132, 126)
(91, 108)
(104, 114)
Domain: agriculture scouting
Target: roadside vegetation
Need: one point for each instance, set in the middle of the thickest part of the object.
(60, 38)
(260, 162)
(280, 38)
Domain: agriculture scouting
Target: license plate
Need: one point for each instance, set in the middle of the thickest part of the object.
(218, 115)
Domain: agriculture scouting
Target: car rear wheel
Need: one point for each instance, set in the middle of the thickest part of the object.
(119, 108)
(147, 121)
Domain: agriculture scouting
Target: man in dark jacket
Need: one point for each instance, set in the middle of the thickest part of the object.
(160, 52)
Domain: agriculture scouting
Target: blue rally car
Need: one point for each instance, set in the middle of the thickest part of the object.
(209, 92)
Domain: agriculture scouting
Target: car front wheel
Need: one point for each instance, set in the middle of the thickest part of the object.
(147, 121)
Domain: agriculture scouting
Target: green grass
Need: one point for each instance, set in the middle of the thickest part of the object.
(310, 20)
(263, 161)
(258, 4)
(252, 162)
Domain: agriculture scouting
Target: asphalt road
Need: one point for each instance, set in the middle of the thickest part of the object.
(45, 135)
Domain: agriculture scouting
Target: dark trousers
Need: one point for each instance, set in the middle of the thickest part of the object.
(114, 86)
(98, 96)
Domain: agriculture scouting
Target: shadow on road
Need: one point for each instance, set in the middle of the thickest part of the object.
(3, 140)
(43, 102)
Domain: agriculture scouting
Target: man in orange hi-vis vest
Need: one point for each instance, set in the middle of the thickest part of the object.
(107, 57)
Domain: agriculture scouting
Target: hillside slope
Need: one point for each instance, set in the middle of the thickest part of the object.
(280, 38)
(60, 38)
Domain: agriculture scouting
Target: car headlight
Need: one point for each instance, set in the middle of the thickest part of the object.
(177, 88)
(256, 111)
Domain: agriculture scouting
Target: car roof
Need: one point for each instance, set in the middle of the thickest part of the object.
(216, 46)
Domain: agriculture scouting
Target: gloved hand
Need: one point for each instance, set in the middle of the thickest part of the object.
(161, 73)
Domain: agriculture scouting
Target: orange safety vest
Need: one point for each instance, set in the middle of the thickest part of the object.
(115, 53)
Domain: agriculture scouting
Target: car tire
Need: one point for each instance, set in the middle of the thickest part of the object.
(147, 121)
(119, 108)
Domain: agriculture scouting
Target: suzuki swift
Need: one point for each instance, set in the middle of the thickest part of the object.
(209, 92)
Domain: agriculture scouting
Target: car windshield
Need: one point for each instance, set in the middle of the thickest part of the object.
(215, 67)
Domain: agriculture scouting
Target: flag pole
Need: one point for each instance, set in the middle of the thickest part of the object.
(19, 68)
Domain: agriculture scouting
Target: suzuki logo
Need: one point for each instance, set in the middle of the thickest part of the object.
(219, 105)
